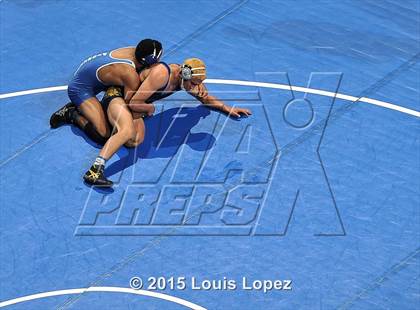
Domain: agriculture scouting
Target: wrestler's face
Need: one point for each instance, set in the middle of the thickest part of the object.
(190, 84)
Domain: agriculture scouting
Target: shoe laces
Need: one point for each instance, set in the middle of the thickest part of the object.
(62, 112)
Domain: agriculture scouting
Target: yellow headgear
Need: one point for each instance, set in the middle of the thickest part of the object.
(193, 68)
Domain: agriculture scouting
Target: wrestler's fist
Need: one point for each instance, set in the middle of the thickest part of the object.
(151, 110)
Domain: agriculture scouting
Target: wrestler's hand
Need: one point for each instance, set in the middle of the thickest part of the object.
(238, 112)
(151, 110)
(137, 115)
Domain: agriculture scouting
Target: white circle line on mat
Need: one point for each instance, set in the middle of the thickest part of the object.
(102, 289)
(319, 92)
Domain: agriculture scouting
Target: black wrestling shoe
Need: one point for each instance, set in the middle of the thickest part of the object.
(95, 176)
(62, 116)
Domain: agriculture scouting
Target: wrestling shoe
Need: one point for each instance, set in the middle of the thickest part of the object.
(62, 116)
(95, 176)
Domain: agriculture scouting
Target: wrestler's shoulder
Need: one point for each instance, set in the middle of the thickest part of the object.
(160, 67)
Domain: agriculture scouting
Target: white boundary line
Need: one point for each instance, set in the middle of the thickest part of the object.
(33, 91)
(102, 289)
(320, 92)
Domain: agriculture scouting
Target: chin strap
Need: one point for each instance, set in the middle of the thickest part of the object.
(182, 84)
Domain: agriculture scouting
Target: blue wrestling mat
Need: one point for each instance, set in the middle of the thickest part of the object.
(310, 203)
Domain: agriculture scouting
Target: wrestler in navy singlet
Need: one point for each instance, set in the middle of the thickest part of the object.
(160, 93)
(118, 91)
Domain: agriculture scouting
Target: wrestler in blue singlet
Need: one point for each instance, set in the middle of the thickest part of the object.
(85, 82)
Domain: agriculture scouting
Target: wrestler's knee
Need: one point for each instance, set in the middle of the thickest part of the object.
(135, 141)
(103, 131)
(127, 131)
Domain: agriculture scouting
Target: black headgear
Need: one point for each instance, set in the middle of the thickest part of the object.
(148, 52)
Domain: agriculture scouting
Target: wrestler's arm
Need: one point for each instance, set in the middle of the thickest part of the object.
(136, 98)
(201, 94)
(131, 85)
